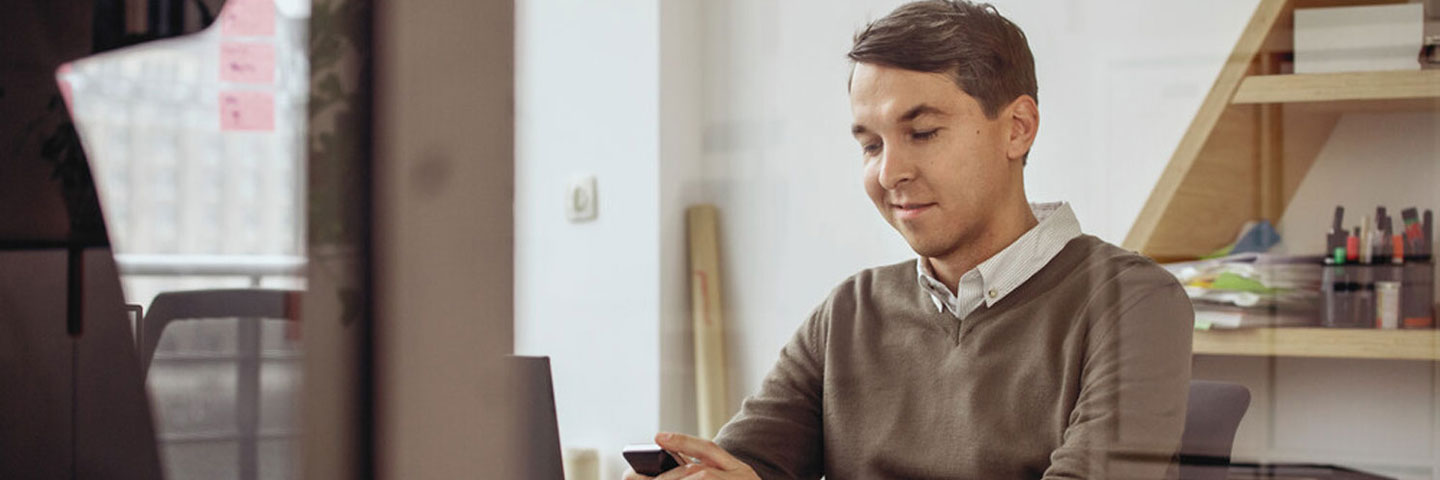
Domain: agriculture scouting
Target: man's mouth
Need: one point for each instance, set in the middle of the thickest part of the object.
(907, 211)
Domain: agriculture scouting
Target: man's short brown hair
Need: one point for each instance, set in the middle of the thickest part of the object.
(983, 52)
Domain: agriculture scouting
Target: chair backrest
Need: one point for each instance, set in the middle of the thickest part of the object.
(209, 402)
(1213, 415)
(168, 307)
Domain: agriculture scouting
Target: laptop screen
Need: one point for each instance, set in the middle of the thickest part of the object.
(538, 431)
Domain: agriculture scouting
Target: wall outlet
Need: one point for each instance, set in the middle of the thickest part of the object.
(581, 199)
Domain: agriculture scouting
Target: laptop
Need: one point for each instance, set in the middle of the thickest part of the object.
(538, 430)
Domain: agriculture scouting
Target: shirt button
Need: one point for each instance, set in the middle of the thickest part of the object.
(993, 293)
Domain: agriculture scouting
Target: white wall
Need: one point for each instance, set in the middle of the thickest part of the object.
(587, 294)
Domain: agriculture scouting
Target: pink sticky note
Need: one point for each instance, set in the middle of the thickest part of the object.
(247, 62)
(247, 110)
(248, 18)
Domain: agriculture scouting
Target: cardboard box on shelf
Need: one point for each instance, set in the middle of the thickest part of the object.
(1359, 39)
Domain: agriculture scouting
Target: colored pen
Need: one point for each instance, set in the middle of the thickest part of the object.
(1352, 246)
(1366, 242)
(1335, 240)
(1429, 237)
(1412, 231)
(1397, 246)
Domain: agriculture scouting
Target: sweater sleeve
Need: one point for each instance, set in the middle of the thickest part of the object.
(1130, 413)
(778, 430)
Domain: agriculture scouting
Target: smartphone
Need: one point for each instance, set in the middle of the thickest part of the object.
(650, 460)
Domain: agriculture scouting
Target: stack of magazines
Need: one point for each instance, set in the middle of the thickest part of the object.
(1252, 290)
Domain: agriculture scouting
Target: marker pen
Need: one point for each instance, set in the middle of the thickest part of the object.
(1335, 239)
(1366, 243)
(1428, 234)
(1352, 246)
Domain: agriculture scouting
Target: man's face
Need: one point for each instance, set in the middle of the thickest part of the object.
(935, 166)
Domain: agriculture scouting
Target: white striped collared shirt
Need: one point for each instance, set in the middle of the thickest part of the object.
(1000, 274)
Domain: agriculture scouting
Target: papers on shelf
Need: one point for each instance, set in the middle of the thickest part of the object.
(1251, 290)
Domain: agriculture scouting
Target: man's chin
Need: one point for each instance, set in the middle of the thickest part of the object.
(924, 248)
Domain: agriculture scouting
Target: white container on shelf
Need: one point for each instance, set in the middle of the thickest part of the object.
(1359, 39)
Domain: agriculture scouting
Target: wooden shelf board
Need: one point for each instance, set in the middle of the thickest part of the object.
(1321, 343)
(1361, 91)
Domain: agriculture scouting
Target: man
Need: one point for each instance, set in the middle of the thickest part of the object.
(1014, 346)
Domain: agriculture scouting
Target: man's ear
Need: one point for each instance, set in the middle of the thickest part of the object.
(1023, 115)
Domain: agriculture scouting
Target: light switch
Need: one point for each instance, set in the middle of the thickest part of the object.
(581, 199)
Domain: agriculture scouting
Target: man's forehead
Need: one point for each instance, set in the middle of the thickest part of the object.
(871, 79)
(890, 94)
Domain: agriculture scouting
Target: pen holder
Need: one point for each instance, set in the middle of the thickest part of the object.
(1346, 296)
(1384, 296)
(1417, 293)
(1388, 284)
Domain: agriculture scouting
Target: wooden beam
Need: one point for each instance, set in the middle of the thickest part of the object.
(1270, 154)
(1217, 195)
(1236, 67)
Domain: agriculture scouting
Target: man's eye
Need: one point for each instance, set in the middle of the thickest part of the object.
(926, 135)
(871, 149)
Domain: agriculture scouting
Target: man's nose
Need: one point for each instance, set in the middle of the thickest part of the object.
(896, 167)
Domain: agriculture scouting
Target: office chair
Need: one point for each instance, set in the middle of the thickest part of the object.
(1213, 415)
(192, 390)
(168, 307)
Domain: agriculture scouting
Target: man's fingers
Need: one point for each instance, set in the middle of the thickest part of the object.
(682, 472)
(708, 452)
(689, 472)
(631, 475)
(700, 474)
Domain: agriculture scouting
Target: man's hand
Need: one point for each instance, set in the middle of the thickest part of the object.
(715, 462)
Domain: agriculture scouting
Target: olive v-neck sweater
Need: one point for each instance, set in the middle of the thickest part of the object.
(1081, 372)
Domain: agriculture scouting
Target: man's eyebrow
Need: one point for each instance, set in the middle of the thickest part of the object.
(918, 110)
(911, 114)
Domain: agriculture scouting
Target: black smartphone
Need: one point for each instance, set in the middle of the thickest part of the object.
(650, 460)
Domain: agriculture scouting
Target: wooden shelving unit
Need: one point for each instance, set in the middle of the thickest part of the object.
(1321, 343)
(1256, 135)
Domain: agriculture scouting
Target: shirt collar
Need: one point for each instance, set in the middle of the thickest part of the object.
(1005, 271)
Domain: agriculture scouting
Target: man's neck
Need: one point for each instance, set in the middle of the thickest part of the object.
(1003, 230)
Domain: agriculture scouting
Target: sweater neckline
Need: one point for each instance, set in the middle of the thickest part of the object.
(1055, 270)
